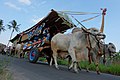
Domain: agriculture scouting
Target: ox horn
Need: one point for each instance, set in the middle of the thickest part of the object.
(103, 15)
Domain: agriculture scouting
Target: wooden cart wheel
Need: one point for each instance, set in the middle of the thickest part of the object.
(34, 55)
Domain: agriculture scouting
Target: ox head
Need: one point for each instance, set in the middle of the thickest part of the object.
(111, 49)
(95, 32)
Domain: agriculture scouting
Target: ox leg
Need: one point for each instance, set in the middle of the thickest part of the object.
(55, 60)
(71, 66)
(11, 52)
(78, 66)
(75, 67)
(15, 53)
(18, 54)
(87, 66)
(88, 63)
(23, 54)
(74, 62)
(69, 60)
(96, 63)
(51, 61)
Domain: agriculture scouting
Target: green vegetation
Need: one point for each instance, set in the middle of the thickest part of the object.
(116, 59)
(111, 69)
(4, 73)
(14, 26)
(2, 27)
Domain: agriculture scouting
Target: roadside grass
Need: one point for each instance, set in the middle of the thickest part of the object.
(110, 69)
(4, 73)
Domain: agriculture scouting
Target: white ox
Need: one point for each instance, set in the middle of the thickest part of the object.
(19, 49)
(12, 49)
(75, 45)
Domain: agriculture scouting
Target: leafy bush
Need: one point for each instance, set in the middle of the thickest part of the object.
(116, 59)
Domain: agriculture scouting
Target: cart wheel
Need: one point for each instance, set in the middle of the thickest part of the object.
(34, 55)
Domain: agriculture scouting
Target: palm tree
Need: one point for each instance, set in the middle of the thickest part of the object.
(2, 28)
(14, 26)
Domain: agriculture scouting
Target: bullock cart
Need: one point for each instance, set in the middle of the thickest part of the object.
(37, 38)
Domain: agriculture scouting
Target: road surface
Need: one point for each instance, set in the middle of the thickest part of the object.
(23, 70)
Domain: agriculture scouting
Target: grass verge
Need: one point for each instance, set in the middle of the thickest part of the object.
(111, 69)
(4, 73)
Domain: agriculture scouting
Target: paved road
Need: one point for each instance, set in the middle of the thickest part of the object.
(23, 70)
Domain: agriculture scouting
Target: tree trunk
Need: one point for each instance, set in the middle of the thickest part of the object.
(10, 37)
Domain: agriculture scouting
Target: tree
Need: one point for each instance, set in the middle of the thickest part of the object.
(2, 28)
(14, 26)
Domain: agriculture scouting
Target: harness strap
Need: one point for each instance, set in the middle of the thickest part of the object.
(104, 60)
(89, 47)
(99, 51)
(98, 44)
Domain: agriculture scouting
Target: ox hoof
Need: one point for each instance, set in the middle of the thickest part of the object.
(79, 68)
(98, 72)
(57, 68)
(76, 72)
(50, 65)
(87, 70)
(69, 68)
